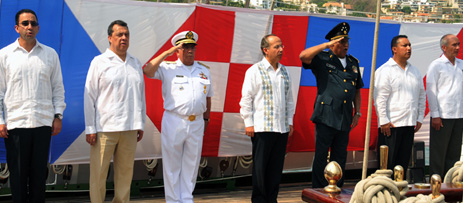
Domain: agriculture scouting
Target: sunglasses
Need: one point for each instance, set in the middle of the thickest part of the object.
(32, 23)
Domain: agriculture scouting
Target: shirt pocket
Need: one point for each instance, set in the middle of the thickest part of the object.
(180, 87)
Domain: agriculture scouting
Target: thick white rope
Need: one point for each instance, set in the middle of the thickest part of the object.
(455, 174)
(4, 173)
(420, 198)
(203, 163)
(150, 164)
(58, 169)
(379, 188)
(245, 161)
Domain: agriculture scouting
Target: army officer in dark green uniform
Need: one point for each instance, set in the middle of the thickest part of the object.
(338, 94)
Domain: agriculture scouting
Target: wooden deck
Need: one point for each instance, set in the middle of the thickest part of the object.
(289, 193)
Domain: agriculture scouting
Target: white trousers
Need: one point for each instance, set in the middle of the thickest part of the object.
(182, 142)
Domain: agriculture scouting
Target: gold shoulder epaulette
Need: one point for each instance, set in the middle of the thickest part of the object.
(354, 58)
(170, 62)
(204, 65)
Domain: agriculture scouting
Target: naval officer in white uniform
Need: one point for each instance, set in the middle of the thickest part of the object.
(187, 92)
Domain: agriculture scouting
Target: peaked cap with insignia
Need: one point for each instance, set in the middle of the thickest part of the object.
(340, 30)
(185, 37)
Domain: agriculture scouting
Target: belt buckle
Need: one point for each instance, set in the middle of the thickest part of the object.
(192, 118)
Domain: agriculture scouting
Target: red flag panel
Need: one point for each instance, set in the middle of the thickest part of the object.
(236, 74)
(293, 40)
(215, 29)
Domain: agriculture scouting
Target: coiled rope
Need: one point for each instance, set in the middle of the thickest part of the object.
(455, 174)
(380, 188)
(245, 161)
(150, 164)
(4, 173)
(377, 188)
(424, 199)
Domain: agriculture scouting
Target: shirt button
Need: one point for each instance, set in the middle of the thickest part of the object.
(322, 102)
(330, 71)
(344, 70)
(344, 80)
(345, 101)
(345, 90)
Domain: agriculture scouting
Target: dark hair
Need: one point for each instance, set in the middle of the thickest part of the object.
(116, 22)
(264, 42)
(395, 41)
(16, 18)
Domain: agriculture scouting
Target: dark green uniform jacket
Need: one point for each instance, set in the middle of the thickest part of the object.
(336, 87)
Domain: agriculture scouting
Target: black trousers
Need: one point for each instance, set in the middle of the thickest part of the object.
(445, 146)
(27, 151)
(327, 138)
(400, 145)
(268, 153)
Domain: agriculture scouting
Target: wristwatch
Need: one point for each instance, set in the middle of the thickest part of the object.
(358, 114)
(59, 116)
(206, 119)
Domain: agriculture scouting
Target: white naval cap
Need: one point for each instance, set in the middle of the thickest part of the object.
(185, 37)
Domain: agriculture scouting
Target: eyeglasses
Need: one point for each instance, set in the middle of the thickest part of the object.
(32, 23)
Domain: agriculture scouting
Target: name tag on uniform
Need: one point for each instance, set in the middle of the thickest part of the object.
(330, 66)
(179, 76)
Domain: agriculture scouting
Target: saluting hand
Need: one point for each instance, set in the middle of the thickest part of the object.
(174, 49)
(333, 42)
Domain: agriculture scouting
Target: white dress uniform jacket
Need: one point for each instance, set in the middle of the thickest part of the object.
(184, 89)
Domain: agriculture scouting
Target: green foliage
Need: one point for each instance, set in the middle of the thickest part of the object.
(358, 14)
(238, 4)
(319, 2)
(406, 9)
(360, 5)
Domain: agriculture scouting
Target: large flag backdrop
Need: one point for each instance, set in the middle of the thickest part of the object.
(229, 41)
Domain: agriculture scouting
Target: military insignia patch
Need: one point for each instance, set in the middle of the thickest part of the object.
(189, 35)
(203, 76)
(355, 69)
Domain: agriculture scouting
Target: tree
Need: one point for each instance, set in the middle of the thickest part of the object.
(358, 14)
(406, 9)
